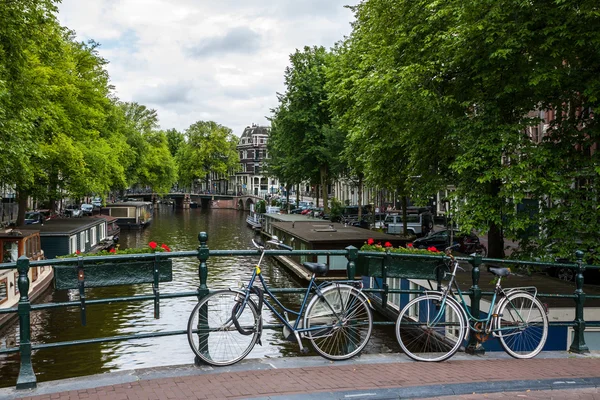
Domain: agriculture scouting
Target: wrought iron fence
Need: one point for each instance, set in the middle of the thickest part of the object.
(154, 268)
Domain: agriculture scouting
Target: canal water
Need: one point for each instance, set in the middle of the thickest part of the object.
(179, 230)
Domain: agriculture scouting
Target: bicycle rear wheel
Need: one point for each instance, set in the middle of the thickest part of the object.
(428, 332)
(522, 325)
(211, 331)
(341, 322)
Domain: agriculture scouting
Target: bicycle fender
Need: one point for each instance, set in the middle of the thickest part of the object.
(352, 288)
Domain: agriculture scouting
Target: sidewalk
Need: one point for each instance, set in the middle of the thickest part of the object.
(494, 376)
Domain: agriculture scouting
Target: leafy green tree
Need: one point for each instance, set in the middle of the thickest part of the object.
(303, 138)
(175, 139)
(209, 147)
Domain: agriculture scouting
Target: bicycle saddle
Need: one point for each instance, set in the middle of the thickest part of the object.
(499, 271)
(317, 268)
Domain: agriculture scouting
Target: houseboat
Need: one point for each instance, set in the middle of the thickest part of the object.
(69, 235)
(16, 243)
(306, 233)
(113, 230)
(130, 214)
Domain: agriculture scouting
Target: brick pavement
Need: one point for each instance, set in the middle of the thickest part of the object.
(329, 379)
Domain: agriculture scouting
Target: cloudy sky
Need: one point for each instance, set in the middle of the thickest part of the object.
(220, 60)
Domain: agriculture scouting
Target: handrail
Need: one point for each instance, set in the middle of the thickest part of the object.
(27, 377)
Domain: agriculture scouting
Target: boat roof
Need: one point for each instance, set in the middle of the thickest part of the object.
(108, 218)
(63, 226)
(331, 232)
(128, 204)
(17, 233)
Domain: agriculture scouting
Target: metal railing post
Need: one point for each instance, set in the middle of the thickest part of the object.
(474, 346)
(578, 345)
(351, 256)
(26, 379)
(203, 269)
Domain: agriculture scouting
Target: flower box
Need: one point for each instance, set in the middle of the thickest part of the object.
(397, 267)
(114, 273)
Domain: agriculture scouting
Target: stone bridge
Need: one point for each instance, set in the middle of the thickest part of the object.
(203, 200)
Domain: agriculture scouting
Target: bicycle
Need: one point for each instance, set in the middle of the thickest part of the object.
(432, 327)
(337, 320)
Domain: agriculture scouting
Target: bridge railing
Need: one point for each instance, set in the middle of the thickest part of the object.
(81, 268)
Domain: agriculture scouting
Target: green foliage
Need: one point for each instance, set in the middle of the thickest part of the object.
(261, 207)
(304, 145)
(435, 94)
(337, 210)
(208, 147)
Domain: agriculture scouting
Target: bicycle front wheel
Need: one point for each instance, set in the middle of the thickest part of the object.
(339, 322)
(426, 331)
(522, 325)
(212, 333)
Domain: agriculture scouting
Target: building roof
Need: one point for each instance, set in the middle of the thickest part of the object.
(254, 130)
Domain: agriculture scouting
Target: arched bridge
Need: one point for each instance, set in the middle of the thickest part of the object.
(203, 200)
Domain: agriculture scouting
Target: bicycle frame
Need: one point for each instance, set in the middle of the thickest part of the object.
(298, 314)
(472, 320)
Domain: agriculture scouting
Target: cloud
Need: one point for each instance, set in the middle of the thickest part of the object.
(205, 60)
(237, 40)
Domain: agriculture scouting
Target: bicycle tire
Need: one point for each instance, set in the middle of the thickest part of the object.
(422, 337)
(218, 342)
(528, 317)
(338, 340)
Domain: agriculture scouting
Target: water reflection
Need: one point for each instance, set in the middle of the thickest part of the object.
(179, 230)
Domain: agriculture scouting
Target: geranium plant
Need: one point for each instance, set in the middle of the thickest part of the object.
(370, 245)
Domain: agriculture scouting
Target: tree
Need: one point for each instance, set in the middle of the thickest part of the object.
(209, 147)
(453, 85)
(303, 139)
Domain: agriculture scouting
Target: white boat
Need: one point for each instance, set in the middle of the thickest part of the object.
(14, 244)
(254, 221)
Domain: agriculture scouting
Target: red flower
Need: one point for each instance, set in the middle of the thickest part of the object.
(112, 250)
(387, 244)
(165, 247)
(409, 245)
(432, 248)
(370, 241)
(152, 245)
(77, 252)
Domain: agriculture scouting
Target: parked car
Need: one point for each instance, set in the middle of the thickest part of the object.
(34, 217)
(568, 274)
(97, 202)
(416, 224)
(87, 209)
(468, 243)
(73, 211)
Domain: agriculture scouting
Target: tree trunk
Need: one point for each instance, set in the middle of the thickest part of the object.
(404, 215)
(495, 236)
(317, 193)
(324, 179)
(360, 189)
(22, 196)
(297, 195)
(288, 187)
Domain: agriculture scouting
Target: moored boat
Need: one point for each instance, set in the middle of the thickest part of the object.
(16, 243)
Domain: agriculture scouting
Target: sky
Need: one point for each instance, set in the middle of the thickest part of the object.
(192, 60)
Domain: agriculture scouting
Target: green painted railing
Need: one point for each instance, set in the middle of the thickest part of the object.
(132, 262)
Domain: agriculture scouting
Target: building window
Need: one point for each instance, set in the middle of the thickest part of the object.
(82, 241)
(93, 238)
(3, 290)
(16, 283)
(72, 244)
